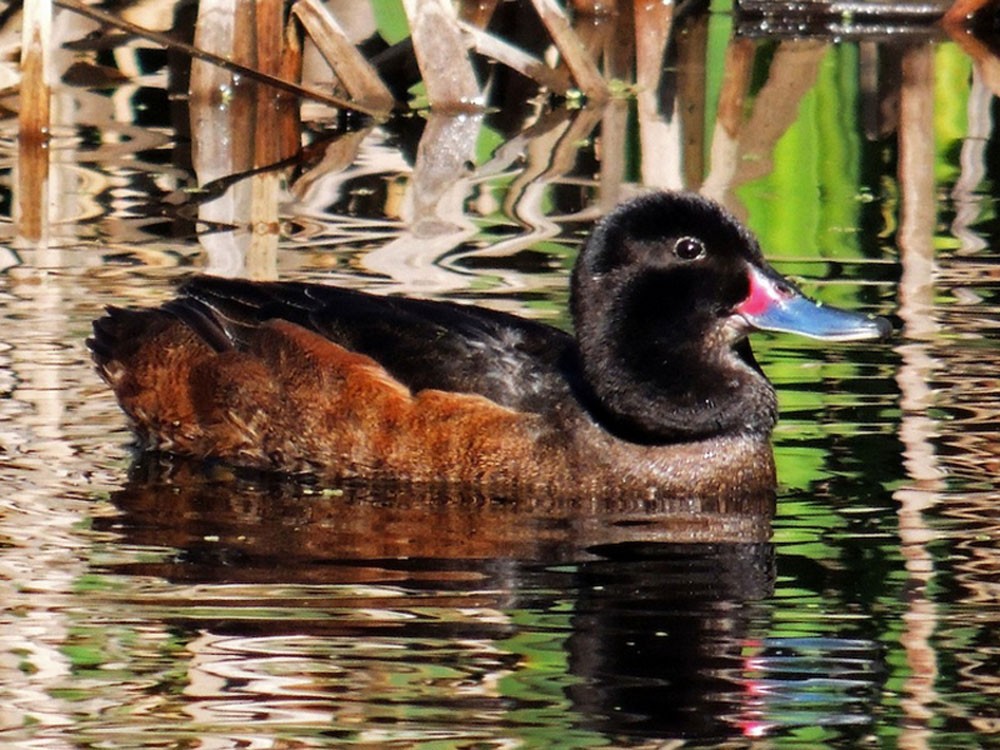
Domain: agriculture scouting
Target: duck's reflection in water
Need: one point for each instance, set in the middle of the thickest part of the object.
(660, 635)
(646, 608)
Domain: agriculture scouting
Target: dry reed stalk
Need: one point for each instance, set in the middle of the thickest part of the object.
(221, 30)
(274, 109)
(961, 11)
(33, 120)
(692, 86)
(725, 149)
(793, 73)
(290, 70)
(614, 150)
(353, 71)
(653, 24)
(657, 136)
(738, 68)
(599, 39)
(747, 155)
(223, 122)
(33, 116)
(271, 108)
(581, 66)
(475, 16)
(557, 81)
(615, 37)
(986, 61)
(443, 56)
(165, 40)
(269, 26)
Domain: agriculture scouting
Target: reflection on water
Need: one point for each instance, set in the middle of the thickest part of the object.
(526, 620)
(160, 603)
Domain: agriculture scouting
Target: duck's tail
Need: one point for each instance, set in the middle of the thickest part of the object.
(154, 363)
(120, 335)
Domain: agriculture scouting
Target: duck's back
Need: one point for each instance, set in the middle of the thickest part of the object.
(423, 344)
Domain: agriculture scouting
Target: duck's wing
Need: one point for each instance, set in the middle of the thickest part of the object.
(517, 363)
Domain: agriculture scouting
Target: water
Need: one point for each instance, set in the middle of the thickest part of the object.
(157, 603)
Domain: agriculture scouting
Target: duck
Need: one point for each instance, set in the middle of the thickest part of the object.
(655, 393)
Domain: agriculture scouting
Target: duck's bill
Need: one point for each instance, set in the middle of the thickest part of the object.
(775, 305)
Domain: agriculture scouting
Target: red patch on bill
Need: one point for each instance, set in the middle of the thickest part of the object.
(763, 294)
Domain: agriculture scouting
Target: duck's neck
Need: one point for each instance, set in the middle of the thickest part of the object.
(654, 382)
(687, 400)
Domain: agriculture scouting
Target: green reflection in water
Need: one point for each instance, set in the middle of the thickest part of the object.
(543, 715)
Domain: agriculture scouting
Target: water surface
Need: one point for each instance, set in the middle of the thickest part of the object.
(152, 602)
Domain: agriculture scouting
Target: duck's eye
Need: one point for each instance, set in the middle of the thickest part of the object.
(689, 248)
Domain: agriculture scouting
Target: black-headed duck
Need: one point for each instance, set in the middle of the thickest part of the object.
(656, 394)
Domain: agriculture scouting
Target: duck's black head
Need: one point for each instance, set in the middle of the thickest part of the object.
(663, 295)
